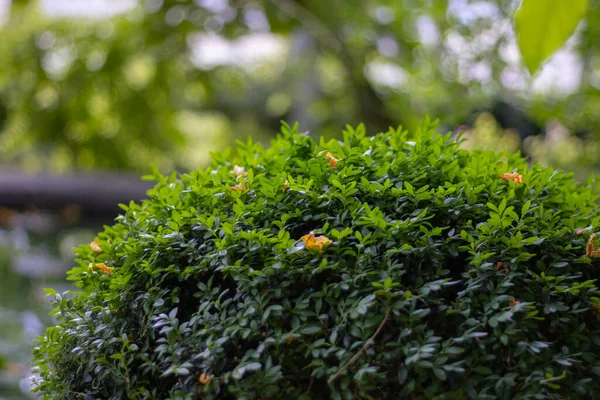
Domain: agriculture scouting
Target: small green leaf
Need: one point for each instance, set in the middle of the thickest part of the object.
(525, 207)
(455, 350)
(440, 374)
(254, 366)
(310, 330)
(481, 370)
(560, 264)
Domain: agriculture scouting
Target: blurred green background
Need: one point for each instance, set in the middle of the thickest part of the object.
(93, 91)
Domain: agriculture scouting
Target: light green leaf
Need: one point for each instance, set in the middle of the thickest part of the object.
(543, 26)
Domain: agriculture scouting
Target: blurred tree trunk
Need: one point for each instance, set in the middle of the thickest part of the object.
(304, 52)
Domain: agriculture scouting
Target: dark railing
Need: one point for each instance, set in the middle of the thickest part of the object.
(98, 194)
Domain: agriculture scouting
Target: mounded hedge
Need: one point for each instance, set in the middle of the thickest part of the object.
(397, 266)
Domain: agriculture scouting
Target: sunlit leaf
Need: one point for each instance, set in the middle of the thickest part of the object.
(543, 26)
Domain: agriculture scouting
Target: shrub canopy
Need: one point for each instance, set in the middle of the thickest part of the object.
(430, 272)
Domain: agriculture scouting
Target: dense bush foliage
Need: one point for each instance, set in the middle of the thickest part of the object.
(385, 267)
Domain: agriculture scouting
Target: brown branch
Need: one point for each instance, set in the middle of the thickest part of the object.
(365, 347)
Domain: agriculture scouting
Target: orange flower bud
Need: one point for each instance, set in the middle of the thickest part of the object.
(102, 267)
(313, 242)
(516, 178)
(590, 249)
(332, 160)
(238, 187)
(95, 246)
(204, 378)
(501, 266)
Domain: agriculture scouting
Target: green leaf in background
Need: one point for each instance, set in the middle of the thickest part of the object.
(543, 26)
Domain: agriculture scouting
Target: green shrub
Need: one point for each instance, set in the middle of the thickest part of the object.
(433, 278)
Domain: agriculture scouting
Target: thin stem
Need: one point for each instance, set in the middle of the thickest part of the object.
(365, 347)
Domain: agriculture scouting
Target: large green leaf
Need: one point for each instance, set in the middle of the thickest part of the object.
(543, 26)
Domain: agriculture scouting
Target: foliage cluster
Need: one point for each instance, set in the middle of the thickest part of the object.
(89, 93)
(384, 267)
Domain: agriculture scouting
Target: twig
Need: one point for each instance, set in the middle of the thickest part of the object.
(362, 350)
(310, 22)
